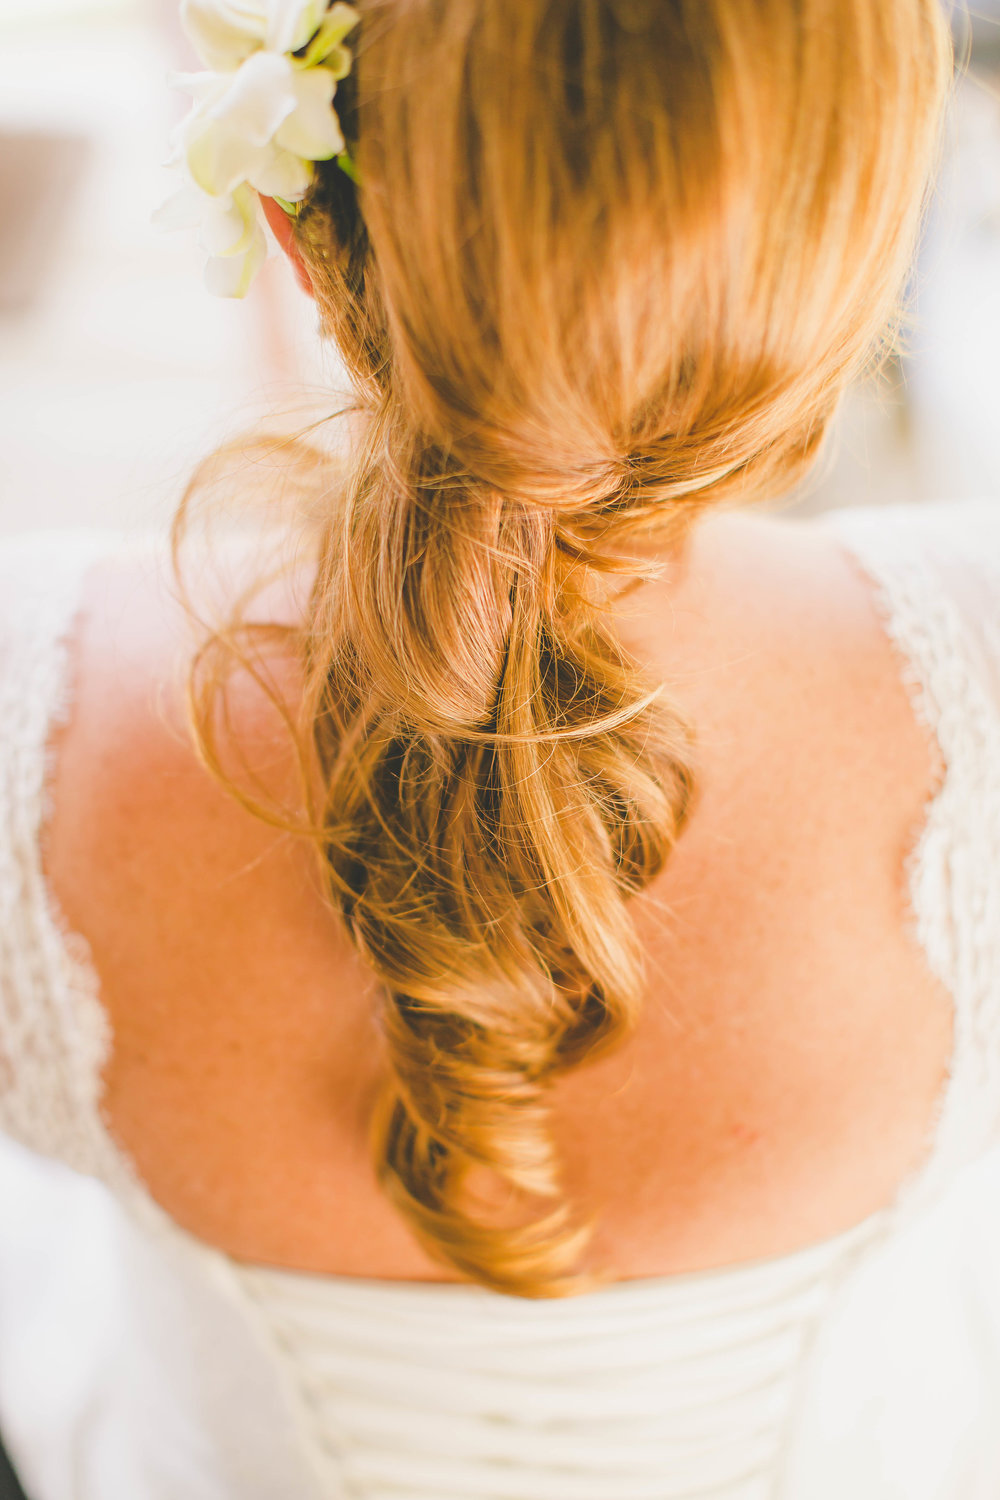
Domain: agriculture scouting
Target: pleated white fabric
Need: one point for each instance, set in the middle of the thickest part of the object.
(207, 1380)
(649, 1390)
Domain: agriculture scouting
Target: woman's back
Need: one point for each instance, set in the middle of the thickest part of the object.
(241, 1057)
(784, 1074)
(609, 928)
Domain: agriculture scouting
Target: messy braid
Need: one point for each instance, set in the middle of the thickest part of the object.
(499, 782)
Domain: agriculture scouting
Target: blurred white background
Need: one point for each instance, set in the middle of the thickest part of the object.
(117, 370)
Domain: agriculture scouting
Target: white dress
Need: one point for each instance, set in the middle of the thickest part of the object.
(139, 1364)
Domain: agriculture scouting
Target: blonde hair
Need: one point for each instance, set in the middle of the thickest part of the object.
(610, 264)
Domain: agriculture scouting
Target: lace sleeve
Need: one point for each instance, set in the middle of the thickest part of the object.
(962, 545)
(936, 570)
(53, 1031)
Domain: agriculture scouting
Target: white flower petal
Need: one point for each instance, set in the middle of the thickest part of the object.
(312, 130)
(204, 88)
(325, 46)
(338, 61)
(260, 95)
(292, 23)
(231, 275)
(228, 224)
(220, 159)
(182, 210)
(224, 32)
(342, 16)
(280, 174)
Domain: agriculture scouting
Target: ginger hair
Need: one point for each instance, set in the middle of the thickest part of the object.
(611, 262)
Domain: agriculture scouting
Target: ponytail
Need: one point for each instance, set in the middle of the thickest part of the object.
(499, 781)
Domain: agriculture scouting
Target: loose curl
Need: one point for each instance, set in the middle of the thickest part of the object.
(611, 263)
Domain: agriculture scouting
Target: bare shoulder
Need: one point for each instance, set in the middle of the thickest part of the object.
(133, 806)
(221, 966)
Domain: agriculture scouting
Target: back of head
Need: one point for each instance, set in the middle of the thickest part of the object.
(611, 262)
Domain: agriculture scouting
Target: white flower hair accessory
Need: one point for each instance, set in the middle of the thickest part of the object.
(262, 116)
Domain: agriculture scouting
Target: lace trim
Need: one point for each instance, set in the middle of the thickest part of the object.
(56, 1035)
(954, 898)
